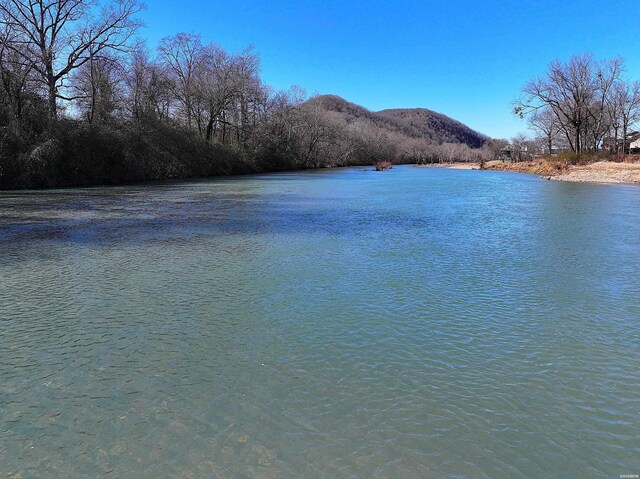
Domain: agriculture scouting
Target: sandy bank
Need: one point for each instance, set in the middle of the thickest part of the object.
(599, 172)
(602, 172)
(455, 166)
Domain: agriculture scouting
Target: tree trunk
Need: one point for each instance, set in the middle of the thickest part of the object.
(224, 127)
(51, 87)
(210, 127)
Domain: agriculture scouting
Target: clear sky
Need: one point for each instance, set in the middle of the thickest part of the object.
(467, 59)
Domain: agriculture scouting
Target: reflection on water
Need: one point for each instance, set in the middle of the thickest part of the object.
(410, 323)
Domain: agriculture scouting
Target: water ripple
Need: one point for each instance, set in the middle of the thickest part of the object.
(419, 323)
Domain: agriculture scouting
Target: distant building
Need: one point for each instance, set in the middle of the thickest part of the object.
(505, 153)
(633, 142)
(631, 145)
(517, 152)
(544, 151)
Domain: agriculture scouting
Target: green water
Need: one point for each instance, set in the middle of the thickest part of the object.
(414, 323)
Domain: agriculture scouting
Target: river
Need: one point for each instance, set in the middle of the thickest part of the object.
(417, 322)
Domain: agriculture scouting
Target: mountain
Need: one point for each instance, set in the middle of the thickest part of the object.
(435, 126)
(416, 123)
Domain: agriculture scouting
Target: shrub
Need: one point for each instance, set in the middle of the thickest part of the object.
(383, 165)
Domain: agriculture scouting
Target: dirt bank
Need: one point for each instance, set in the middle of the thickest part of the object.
(597, 172)
(455, 166)
(602, 172)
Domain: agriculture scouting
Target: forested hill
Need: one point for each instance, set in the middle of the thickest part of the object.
(435, 126)
(416, 123)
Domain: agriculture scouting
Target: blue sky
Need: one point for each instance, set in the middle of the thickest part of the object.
(466, 59)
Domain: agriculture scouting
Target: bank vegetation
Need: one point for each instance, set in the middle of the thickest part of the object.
(84, 101)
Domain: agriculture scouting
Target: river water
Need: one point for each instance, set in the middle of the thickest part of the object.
(418, 322)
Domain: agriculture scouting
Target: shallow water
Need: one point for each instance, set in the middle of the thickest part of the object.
(419, 322)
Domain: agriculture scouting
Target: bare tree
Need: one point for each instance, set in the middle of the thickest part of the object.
(149, 88)
(497, 148)
(625, 102)
(59, 36)
(545, 122)
(278, 134)
(607, 74)
(521, 148)
(248, 89)
(214, 91)
(314, 132)
(576, 93)
(97, 85)
(183, 56)
(15, 75)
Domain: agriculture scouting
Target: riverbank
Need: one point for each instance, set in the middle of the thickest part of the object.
(597, 172)
(454, 166)
(74, 154)
(603, 172)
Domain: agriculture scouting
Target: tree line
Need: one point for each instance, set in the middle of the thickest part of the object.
(583, 105)
(84, 101)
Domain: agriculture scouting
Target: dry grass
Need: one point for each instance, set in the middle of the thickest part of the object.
(468, 165)
(538, 167)
(586, 168)
(383, 165)
(591, 168)
(603, 172)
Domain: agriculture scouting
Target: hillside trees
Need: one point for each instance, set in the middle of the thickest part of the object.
(276, 139)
